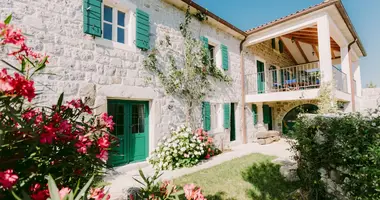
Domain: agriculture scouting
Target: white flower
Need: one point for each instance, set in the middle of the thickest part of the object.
(373, 124)
(183, 149)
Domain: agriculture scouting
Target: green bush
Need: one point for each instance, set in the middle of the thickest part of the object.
(338, 156)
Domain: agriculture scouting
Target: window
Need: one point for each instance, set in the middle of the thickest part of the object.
(114, 25)
(211, 51)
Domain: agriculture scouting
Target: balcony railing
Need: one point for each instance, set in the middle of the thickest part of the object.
(340, 79)
(300, 77)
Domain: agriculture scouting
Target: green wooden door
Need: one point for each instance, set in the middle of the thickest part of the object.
(131, 128)
(232, 129)
(138, 130)
(260, 77)
(118, 110)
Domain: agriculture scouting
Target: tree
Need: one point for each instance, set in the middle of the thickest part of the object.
(371, 85)
(186, 75)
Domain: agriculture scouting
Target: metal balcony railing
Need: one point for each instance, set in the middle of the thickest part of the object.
(340, 79)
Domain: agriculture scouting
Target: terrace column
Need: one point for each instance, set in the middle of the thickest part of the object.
(324, 46)
(346, 66)
(260, 118)
(357, 78)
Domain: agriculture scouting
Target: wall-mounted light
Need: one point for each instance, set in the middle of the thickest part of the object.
(293, 40)
(313, 53)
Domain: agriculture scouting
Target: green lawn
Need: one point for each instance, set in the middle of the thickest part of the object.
(262, 180)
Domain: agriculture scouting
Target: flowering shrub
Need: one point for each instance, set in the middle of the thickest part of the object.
(65, 140)
(184, 148)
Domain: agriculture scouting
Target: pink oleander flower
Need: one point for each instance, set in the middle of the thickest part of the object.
(48, 134)
(5, 81)
(107, 121)
(8, 178)
(103, 155)
(193, 193)
(40, 195)
(82, 144)
(63, 192)
(104, 142)
(98, 194)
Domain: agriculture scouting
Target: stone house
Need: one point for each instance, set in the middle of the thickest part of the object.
(97, 49)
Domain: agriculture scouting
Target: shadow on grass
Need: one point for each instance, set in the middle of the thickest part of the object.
(216, 196)
(268, 183)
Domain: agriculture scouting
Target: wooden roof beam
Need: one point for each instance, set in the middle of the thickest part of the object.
(302, 52)
(287, 50)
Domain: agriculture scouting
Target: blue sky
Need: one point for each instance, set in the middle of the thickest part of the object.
(364, 14)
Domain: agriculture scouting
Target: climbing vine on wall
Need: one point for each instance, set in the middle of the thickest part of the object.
(327, 103)
(187, 74)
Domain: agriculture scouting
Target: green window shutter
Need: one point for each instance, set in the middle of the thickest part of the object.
(204, 41)
(92, 17)
(224, 57)
(227, 115)
(254, 114)
(281, 46)
(142, 30)
(274, 43)
(266, 112)
(206, 116)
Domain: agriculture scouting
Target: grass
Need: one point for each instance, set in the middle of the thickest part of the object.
(246, 178)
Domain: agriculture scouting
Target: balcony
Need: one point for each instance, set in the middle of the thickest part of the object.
(290, 83)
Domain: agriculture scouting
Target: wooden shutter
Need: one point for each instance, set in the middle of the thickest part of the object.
(225, 60)
(204, 41)
(92, 17)
(142, 30)
(227, 115)
(281, 46)
(266, 112)
(274, 43)
(206, 115)
(254, 114)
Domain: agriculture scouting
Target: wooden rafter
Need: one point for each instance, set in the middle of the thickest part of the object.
(315, 51)
(287, 51)
(302, 52)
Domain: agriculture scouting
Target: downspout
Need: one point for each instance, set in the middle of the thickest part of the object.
(353, 92)
(242, 77)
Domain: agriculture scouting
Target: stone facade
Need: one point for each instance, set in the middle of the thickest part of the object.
(272, 56)
(81, 67)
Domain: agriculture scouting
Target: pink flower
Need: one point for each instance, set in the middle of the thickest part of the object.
(63, 192)
(23, 87)
(82, 144)
(104, 142)
(40, 195)
(98, 194)
(35, 187)
(48, 134)
(103, 155)
(193, 193)
(5, 80)
(107, 121)
(8, 179)
(207, 156)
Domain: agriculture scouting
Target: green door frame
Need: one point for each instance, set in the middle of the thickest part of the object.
(125, 148)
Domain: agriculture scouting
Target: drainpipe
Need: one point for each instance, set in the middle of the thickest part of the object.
(353, 92)
(242, 77)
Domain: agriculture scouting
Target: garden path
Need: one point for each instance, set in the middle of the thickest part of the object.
(122, 177)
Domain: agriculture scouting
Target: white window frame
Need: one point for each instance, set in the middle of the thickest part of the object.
(129, 25)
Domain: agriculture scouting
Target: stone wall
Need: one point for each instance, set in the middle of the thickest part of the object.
(271, 56)
(81, 67)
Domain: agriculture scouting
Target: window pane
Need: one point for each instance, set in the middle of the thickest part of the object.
(107, 14)
(120, 18)
(138, 119)
(120, 35)
(107, 32)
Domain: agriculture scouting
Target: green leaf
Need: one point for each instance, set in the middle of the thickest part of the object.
(84, 189)
(15, 196)
(59, 103)
(53, 190)
(8, 19)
